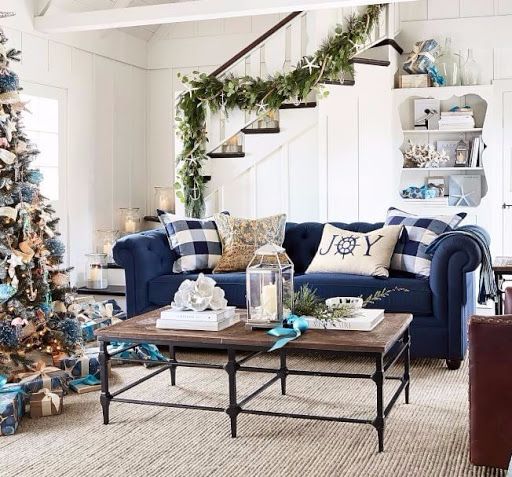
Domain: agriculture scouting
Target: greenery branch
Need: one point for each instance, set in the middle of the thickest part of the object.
(331, 61)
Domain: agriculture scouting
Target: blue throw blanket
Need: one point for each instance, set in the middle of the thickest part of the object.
(488, 290)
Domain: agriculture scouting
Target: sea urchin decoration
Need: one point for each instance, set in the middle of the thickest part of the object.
(9, 335)
(34, 176)
(70, 329)
(9, 82)
(55, 247)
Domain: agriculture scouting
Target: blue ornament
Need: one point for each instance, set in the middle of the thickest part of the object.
(55, 247)
(70, 328)
(28, 191)
(6, 291)
(34, 176)
(9, 335)
(45, 308)
(9, 82)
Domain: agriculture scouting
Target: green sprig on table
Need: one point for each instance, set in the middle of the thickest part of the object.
(331, 62)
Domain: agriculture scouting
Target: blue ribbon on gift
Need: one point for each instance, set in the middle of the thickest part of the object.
(9, 388)
(88, 380)
(149, 350)
(293, 327)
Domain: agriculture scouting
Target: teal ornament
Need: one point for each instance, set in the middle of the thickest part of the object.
(34, 176)
(9, 82)
(293, 327)
(6, 292)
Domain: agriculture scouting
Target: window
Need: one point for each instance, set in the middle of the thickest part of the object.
(42, 128)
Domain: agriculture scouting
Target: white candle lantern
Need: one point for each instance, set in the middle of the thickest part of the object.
(269, 282)
(164, 199)
(96, 271)
(105, 240)
(130, 220)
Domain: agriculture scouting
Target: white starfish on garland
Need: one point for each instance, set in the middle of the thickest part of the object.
(262, 107)
(310, 64)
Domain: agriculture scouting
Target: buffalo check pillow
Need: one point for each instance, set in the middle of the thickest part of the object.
(195, 242)
(409, 255)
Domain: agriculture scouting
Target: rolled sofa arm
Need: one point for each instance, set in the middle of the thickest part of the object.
(143, 256)
(453, 288)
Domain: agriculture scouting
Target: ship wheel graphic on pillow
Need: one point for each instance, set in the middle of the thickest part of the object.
(346, 246)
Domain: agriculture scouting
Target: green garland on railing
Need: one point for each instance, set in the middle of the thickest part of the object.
(332, 61)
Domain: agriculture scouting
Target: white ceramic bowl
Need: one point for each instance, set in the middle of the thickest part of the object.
(356, 302)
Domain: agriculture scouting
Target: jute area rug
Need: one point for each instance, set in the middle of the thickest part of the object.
(427, 438)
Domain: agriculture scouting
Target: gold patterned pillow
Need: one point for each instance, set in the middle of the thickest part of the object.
(241, 237)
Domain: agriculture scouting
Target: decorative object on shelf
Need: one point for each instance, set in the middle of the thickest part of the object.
(424, 156)
(465, 191)
(437, 183)
(462, 154)
(345, 251)
(422, 61)
(46, 403)
(241, 237)
(130, 219)
(105, 241)
(448, 64)
(471, 71)
(96, 270)
(334, 58)
(164, 198)
(415, 81)
(449, 148)
(269, 282)
(234, 144)
(199, 295)
(427, 113)
(424, 192)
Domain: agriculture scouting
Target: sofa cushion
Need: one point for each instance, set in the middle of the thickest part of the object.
(301, 241)
(418, 300)
(162, 289)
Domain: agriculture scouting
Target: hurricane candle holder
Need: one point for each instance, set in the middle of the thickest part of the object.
(164, 198)
(105, 240)
(96, 271)
(130, 219)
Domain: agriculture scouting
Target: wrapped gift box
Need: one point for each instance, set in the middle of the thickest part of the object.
(81, 366)
(48, 377)
(46, 403)
(11, 409)
(89, 326)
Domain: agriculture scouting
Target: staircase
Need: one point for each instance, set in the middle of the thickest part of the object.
(242, 144)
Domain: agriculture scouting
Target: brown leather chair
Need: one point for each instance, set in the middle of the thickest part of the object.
(490, 382)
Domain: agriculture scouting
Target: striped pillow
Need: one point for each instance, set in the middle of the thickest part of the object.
(195, 242)
(409, 255)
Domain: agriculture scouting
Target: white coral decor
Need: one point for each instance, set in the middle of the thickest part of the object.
(199, 295)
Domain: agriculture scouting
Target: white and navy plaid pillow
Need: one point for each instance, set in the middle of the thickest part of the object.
(195, 242)
(409, 255)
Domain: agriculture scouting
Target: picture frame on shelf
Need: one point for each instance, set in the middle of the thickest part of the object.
(465, 190)
(439, 183)
(450, 148)
(427, 113)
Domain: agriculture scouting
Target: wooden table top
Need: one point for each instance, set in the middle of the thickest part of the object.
(143, 329)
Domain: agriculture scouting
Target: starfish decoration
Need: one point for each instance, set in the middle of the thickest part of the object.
(310, 64)
(463, 198)
(262, 107)
(9, 127)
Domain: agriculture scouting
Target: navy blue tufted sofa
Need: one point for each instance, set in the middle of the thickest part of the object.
(441, 305)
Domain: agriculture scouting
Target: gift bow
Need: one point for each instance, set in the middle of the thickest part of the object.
(47, 399)
(293, 327)
(41, 371)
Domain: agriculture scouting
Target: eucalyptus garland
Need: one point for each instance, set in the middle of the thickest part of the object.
(331, 62)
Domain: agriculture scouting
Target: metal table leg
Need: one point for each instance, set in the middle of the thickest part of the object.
(233, 409)
(379, 421)
(105, 394)
(172, 355)
(283, 371)
(407, 364)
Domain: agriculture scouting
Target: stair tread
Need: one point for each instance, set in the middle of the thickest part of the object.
(261, 130)
(307, 104)
(219, 155)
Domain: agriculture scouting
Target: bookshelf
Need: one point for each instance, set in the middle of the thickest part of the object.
(477, 98)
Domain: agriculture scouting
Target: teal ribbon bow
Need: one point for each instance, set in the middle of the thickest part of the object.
(88, 380)
(150, 351)
(9, 388)
(293, 327)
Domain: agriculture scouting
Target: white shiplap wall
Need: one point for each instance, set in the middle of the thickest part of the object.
(104, 79)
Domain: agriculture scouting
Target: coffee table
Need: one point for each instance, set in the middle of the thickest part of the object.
(388, 343)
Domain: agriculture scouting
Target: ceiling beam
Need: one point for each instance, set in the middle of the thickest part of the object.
(180, 12)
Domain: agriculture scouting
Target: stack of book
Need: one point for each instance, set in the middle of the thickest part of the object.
(208, 320)
(477, 149)
(461, 119)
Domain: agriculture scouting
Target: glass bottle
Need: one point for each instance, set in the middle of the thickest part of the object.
(470, 71)
(449, 65)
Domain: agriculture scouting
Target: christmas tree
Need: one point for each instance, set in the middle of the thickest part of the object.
(34, 284)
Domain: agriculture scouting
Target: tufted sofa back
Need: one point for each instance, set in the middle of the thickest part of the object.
(301, 240)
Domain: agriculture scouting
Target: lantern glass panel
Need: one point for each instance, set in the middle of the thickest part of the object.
(269, 280)
(105, 240)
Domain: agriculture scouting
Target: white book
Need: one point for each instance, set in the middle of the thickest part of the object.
(465, 112)
(366, 321)
(197, 325)
(207, 315)
(475, 151)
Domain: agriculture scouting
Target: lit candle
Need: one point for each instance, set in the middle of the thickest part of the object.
(107, 248)
(164, 203)
(130, 225)
(269, 299)
(231, 145)
(94, 277)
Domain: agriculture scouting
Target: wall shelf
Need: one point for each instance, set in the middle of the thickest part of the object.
(442, 131)
(441, 169)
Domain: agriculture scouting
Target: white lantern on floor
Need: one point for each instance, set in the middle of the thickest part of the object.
(269, 281)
